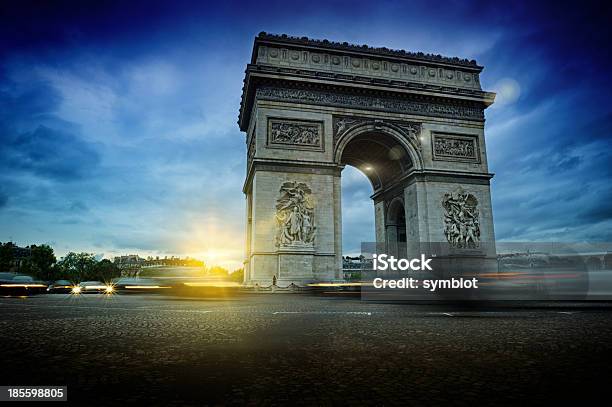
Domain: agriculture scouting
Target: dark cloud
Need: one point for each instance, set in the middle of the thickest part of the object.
(599, 209)
(599, 128)
(50, 153)
(554, 161)
(24, 102)
(48, 150)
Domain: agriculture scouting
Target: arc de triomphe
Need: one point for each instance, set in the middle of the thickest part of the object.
(413, 123)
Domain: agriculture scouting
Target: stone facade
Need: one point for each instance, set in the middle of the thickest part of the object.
(413, 123)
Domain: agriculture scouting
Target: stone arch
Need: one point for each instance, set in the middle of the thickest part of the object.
(395, 210)
(408, 143)
(304, 122)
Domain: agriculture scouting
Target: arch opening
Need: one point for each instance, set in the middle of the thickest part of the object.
(380, 156)
(383, 158)
(358, 223)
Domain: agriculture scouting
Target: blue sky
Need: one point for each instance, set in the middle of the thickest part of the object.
(118, 125)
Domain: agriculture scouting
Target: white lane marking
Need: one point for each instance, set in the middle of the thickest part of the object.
(324, 312)
(448, 314)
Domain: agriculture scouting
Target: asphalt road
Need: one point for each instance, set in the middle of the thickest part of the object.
(301, 350)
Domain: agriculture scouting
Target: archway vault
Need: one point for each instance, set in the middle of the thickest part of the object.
(413, 123)
(384, 152)
(407, 137)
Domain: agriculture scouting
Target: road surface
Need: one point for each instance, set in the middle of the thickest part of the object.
(296, 349)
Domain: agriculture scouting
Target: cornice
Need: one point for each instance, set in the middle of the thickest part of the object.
(433, 175)
(342, 78)
(392, 76)
(264, 37)
(275, 164)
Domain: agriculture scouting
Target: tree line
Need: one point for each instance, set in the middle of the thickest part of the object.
(39, 261)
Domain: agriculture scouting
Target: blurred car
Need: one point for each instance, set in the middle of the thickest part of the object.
(4, 276)
(60, 287)
(16, 284)
(138, 285)
(92, 287)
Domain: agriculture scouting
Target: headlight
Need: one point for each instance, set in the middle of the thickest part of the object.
(76, 289)
(109, 289)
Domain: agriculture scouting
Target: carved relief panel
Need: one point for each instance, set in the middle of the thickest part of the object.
(295, 134)
(455, 147)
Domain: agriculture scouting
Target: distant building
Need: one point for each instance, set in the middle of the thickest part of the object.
(356, 263)
(135, 262)
(352, 267)
(129, 260)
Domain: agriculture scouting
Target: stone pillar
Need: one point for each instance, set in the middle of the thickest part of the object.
(391, 239)
(338, 227)
(248, 239)
(379, 225)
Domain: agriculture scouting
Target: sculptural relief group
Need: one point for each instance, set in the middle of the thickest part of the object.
(461, 218)
(295, 215)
